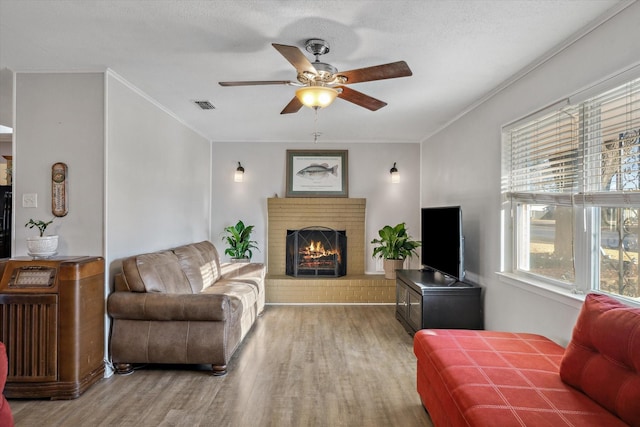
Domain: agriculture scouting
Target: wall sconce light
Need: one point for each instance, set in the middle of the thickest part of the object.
(239, 175)
(395, 175)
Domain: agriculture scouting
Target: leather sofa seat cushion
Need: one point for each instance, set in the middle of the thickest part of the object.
(246, 294)
(603, 358)
(156, 272)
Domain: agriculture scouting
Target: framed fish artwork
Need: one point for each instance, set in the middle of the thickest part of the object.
(317, 173)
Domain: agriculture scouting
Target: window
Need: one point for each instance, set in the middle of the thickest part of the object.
(572, 183)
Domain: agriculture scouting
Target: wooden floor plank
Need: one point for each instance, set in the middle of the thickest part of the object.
(299, 366)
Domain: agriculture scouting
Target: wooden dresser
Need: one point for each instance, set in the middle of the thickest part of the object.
(52, 323)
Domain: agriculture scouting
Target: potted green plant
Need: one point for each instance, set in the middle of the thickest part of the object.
(394, 245)
(238, 239)
(41, 246)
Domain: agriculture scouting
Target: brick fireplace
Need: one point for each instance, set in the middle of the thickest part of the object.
(346, 214)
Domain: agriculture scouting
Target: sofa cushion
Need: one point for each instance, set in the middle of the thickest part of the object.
(488, 378)
(198, 265)
(156, 272)
(210, 253)
(6, 417)
(603, 358)
(245, 293)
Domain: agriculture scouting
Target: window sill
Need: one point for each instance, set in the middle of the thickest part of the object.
(561, 295)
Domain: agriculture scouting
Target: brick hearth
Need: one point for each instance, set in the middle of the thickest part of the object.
(336, 213)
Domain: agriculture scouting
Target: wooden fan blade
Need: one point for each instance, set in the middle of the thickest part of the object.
(257, 83)
(377, 72)
(295, 57)
(292, 107)
(360, 99)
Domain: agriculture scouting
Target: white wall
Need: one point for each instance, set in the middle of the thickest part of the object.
(461, 165)
(6, 97)
(154, 192)
(60, 118)
(158, 176)
(158, 188)
(265, 176)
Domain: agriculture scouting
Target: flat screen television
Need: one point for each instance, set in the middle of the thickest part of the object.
(443, 241)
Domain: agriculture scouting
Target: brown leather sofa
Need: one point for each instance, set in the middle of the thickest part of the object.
(182, 306)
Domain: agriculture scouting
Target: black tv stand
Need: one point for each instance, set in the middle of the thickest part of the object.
(442, 278)
(429, 299)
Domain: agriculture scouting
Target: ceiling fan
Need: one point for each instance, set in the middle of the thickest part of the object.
(320, 83)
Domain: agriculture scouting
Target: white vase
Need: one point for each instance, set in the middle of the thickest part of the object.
(42, 247)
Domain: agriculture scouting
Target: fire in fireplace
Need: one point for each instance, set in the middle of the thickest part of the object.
(316, 251)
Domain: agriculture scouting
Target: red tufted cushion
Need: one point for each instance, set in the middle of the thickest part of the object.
(603, 357)
(6, 417)
(499, 379)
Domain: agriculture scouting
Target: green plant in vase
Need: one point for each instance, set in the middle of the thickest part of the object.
(394, 246)
(41, 246)
(239, 243)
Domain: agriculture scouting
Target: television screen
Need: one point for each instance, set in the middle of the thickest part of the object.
(442, 240)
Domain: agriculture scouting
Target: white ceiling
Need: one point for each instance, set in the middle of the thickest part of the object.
(176, 52)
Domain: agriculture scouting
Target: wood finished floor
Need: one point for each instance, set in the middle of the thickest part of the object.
(299, 366)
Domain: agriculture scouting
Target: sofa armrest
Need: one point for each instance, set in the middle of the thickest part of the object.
(159, 306)
(248, 270)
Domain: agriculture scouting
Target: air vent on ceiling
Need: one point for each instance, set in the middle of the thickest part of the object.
(205, 105)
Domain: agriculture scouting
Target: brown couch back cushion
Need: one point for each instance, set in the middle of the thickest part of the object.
(200, 264)
(210, 253)
(156, 272)
(603, 357)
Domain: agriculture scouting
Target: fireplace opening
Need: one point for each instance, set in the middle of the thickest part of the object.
(316, 251)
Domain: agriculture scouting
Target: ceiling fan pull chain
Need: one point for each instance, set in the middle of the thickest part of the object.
(315, 126)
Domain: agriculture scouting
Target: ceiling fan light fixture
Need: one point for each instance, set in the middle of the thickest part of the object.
(316, 96)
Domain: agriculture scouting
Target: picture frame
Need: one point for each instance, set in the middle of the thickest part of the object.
(317, 173)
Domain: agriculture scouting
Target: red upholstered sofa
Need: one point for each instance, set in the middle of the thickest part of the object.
(486, 378)
(6, 418)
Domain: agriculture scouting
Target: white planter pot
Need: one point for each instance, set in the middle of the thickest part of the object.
(42, 247)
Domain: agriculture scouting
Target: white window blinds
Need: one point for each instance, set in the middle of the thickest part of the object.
(610, 131)
(544, 154)
(591, 150)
